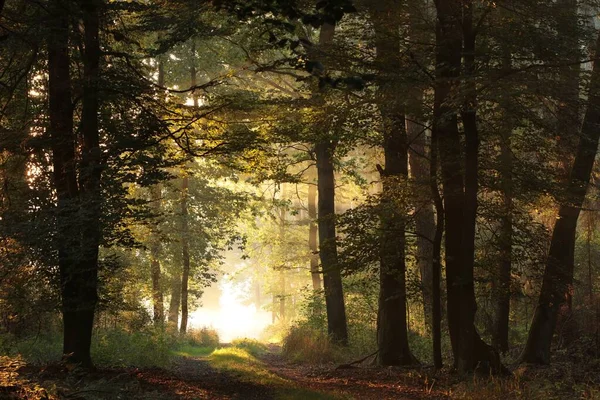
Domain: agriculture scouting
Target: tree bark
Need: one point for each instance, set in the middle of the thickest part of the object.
(155, 271)
(175, 302)
(155, 197)
(78, 214)
(557, 285)
(460, 199)
(392, 329)
(424, 216)
(436, 260)
(185, 251)
(313, 231)
(332, 278)
(419, 162)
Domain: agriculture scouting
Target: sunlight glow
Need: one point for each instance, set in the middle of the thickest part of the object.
(234, 318)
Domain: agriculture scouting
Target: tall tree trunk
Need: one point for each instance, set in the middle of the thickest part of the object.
(90, 174)
(436, 260)
(155, 271)
(392, 329)
(282, 283)
(78, 214)
(424, 216)
(65, 176)
(313, 231)
(420, 164)
(332, 278)
(557, 285)
(460, 200)
(155, 197)
(185, 252)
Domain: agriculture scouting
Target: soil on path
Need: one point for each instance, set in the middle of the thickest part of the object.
(194, 378)
(360, 383)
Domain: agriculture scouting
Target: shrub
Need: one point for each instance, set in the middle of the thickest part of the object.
(205, 337)
(149, 347)
(306, 344)
(253, 347)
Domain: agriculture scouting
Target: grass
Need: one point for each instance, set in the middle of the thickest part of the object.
(188, 350)
(247, 368)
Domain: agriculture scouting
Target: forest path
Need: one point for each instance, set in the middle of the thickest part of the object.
(195, 378)
(367, 383)
(227, 373)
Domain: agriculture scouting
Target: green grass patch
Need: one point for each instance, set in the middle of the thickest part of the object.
(248, 368)
(188, 350)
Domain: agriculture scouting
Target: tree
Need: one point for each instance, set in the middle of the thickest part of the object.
(459, 188)
(332, 280)
(78, 196)
(557, 284)
(392, 331)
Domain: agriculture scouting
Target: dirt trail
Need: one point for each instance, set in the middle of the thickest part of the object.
(195, 378)
(354, 383)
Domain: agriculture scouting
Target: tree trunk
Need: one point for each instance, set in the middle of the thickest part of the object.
(436, 268)
(65, 177)
(155, 198)
(312, 231)
(557, 285)
(392, 329)
(460, 200)
(332, 278)
(78, 216)
(175, 302)
(185, 251)
(157, 289)
(424, 216)
(419, 162)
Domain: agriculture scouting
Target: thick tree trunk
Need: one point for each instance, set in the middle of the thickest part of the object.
(65, 176)
(78, 216)
(185, 252)
(332, 278)
(557, 285)
(460, 199)
(313, 231)
(392, 329)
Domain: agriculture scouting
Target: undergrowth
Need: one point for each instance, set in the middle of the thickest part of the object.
(147, 347)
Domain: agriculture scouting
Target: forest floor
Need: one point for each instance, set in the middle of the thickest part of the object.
(226, 373)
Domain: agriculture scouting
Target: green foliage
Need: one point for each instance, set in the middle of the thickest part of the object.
(145, 347)
(204, 337)
(304, 343)
(148, 347)
(253, 347)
